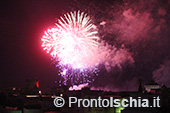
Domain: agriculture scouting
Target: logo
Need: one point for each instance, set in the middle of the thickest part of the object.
(59, 102)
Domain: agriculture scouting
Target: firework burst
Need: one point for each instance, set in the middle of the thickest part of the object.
(75, 48)
(73, 42)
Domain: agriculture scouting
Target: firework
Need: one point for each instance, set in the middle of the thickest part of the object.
(73, 43)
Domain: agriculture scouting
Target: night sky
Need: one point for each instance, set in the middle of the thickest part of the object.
(140, 27)
(22, 25)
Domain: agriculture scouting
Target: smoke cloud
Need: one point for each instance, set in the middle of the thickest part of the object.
(162, 74)
(139, 30)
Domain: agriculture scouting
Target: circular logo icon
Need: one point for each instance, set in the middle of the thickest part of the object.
(59, 102)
